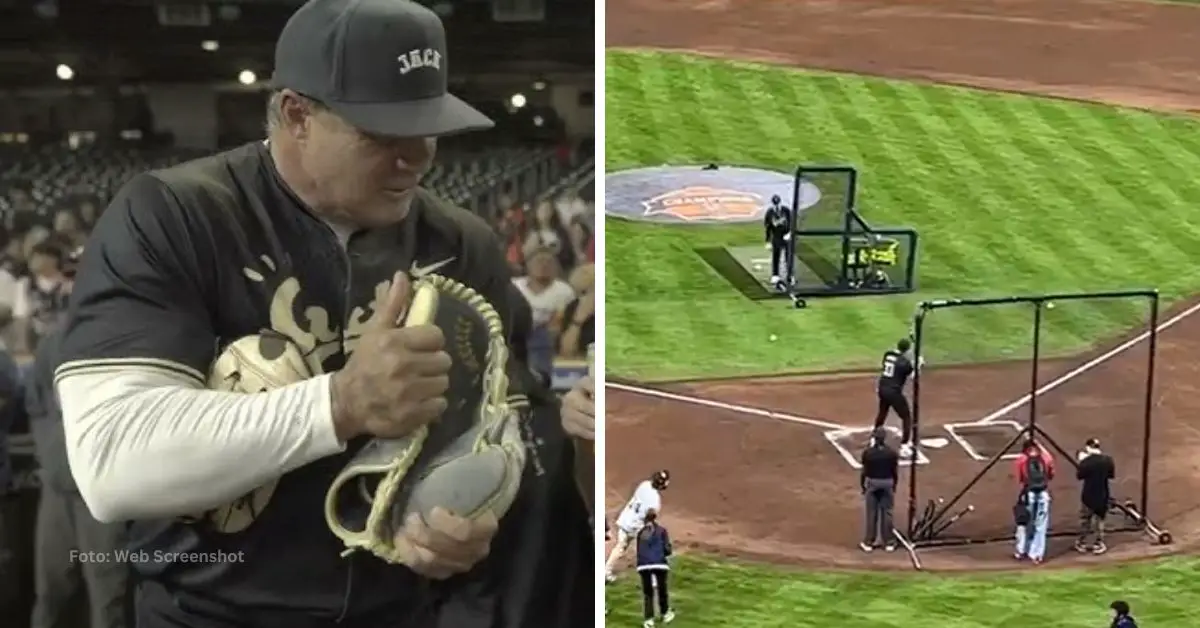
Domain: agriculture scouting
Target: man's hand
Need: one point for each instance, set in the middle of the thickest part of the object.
(396, 379)
(447, 545)
(579, 410)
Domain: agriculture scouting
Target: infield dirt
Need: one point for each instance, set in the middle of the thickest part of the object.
(774, 490)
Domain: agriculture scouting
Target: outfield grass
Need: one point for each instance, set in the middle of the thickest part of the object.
(710, 594)
(1011, 195)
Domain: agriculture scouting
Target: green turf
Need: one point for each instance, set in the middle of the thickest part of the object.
(1011, 195)
(709, 594)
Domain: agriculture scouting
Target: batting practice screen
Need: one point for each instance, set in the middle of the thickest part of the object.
(1075, 366)
(834, 189)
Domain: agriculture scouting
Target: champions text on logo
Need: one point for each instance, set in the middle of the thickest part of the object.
(696, 203)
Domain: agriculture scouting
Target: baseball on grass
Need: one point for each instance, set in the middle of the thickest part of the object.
(774, 337)
(1050, 305)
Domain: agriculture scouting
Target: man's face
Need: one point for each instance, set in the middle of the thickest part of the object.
(367, 180)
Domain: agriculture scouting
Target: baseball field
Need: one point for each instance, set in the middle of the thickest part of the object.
(1037, 148)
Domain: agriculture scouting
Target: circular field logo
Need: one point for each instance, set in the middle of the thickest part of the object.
(695, 194)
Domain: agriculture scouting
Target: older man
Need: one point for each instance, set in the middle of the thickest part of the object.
(312, 235)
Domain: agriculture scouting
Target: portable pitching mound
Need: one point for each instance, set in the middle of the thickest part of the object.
(1055, 406)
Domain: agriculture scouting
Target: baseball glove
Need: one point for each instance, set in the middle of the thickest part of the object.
(252, 364)
(469, 463)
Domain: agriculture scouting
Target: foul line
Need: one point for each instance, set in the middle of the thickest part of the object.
(1087, 366)
(759, 412)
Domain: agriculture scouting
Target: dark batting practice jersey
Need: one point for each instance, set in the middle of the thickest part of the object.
(894, 369)
(190, 258)
(776, 222)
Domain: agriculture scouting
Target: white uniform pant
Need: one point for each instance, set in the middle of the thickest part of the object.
(624, 539)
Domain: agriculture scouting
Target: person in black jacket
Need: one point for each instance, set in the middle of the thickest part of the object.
(653, 552)
(895, 368)
(1095, 471)
(777, 228)
(1121, 616)
(880, 472)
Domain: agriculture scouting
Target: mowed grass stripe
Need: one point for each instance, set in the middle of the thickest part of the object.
(1017, 192)
(1117, 220)
(1073, 180)
(943, 149)
(709, 594)
(1118, 203)
(983, 182)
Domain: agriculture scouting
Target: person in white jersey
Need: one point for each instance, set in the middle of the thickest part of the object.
(647, 496)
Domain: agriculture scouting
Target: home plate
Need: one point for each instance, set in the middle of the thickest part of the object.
(935, 443)
(851, 441)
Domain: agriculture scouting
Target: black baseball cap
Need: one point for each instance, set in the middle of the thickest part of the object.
(379, 64)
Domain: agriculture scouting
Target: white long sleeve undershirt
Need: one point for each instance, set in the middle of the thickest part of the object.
(144, 444)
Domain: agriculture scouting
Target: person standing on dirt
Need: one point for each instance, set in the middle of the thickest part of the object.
(880, 472)
(777, 225)
(1034, 469)
(1095, 471)
(894, 369)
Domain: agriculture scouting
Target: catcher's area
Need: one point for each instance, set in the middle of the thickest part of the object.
(750, 485)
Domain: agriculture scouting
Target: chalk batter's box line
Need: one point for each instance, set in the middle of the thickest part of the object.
(952, 428)
(834, 435)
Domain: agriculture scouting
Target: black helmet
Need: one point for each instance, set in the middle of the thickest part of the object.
(660, 479)
(775, 199)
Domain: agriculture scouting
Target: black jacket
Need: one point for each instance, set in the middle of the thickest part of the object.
(777, 221)
(1095, 472)
(879, 462)
(198, 254)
